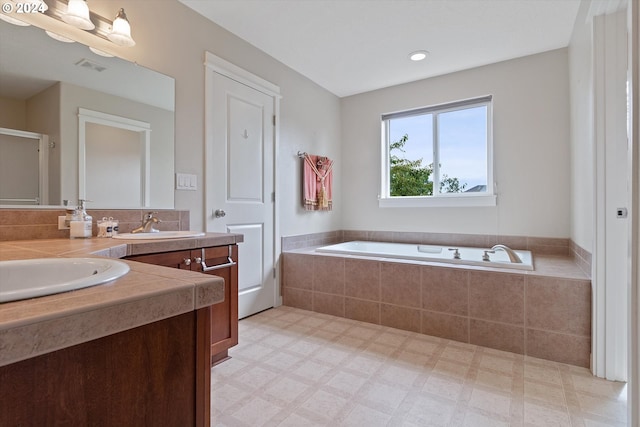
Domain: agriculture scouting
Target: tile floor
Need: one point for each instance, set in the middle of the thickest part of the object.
(300, 368)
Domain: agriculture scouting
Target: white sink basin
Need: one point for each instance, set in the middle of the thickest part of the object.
(31, 278)
(159, 235)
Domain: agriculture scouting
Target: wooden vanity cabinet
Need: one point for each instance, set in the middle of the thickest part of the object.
(153, 375)
(224, 315)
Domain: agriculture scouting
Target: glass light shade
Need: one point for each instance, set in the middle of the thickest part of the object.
(100, 52)
(121, 31)
(59, 37)
(12, 20)
(78, 15)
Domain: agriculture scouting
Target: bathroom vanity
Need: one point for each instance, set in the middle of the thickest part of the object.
(221, 261)
(134, 351)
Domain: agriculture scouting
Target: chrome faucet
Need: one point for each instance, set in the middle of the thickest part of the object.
(513, 257)
(148, 224)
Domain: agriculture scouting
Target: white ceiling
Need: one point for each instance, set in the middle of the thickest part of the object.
(354, 46)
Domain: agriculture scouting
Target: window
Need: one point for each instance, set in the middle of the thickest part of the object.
(438, 156)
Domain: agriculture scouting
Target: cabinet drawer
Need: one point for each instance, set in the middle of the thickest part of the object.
(177, 259)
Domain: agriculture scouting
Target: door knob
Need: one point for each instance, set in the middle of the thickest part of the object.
(219, 213)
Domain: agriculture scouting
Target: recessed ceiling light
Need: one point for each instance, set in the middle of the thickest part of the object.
(418, 55)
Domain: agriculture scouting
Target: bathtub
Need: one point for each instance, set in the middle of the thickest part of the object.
(468, 256)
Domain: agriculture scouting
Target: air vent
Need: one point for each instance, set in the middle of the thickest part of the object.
(91, 65)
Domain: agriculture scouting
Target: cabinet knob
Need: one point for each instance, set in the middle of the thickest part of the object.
(198, 260)
(219, 213)
(187, 261)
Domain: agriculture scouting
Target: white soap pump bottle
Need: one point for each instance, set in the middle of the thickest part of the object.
(81, 225)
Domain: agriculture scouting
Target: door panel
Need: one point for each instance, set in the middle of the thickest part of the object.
(239, 181)
(245, 139)
(252, 251)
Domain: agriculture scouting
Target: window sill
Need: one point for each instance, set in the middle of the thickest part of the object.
(444, 201)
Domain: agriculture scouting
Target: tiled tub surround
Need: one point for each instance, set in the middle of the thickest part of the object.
(544, 313)
(42, 223)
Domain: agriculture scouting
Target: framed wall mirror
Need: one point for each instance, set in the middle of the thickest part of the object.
(45, 85)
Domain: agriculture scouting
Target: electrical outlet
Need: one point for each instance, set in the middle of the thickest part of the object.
(61, 225)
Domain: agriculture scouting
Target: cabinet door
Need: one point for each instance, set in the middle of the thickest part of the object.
(177, 259)
(224, 315)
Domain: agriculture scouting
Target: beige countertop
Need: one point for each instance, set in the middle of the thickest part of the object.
(146, 294)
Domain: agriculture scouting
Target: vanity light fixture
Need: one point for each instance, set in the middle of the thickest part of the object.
(121, 31)
(418, 55)
(77, 14)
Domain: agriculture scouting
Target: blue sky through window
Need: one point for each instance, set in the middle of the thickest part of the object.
(462, 138)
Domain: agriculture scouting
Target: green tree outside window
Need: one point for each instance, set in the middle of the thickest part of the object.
(410, 178)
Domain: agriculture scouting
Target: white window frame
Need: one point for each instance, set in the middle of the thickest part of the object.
(487, 198)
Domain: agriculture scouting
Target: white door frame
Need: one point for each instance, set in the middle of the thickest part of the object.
(43, 163)
(610, 284)
(633, 388)
(232, 71)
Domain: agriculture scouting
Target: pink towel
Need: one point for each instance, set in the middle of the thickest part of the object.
(317, 182)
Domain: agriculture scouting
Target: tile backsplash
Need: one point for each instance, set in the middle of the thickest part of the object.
(27, 224)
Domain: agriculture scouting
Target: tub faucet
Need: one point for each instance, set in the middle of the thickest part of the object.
(513, 257)
(148, 224)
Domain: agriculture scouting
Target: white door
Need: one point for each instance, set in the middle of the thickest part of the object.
(240, 180)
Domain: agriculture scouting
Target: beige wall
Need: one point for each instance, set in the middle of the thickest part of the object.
(172, 39)
(531, 150)
(43, 116)
(582, 138)
(13, 113)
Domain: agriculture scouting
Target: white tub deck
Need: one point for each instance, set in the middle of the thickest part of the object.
(468, 256)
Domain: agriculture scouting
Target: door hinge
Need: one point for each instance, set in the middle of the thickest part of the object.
(274, 119)
(274, 272)
(273, 196)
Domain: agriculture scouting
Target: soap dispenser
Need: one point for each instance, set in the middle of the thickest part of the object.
(81, 223)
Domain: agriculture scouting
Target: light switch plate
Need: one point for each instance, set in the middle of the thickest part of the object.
(186, 181)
